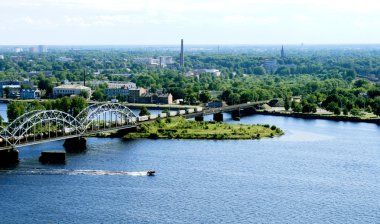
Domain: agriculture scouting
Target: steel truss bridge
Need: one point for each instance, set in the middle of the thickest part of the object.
(40, 126)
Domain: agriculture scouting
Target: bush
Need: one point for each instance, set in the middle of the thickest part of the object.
(153, 136)
(337, 111)
(273, 127)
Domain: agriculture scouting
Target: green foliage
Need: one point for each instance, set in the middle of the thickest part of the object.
(286, 103)
(72, 105)
(205, 96)
(182, 128)
(144, 111)
(15, 109)
(84, 94)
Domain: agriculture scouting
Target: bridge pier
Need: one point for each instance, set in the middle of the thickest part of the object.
(218, 117)
(199, 118)
(77, 144)
(235, 114)
(8, 157)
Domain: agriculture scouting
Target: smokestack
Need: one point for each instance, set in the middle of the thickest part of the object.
(84, 77)
(182, 57)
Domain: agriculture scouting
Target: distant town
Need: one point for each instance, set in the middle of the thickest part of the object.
(300, 79)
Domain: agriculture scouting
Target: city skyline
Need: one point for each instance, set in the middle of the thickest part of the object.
(251, 22)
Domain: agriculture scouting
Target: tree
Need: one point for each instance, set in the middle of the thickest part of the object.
(1, 120)
(337, 111)
(99, 95)
(15, 109)
(286, 103)
(77, 105)
(355, 112)
(63, 104)
(258, 70)
(296, 107)
(205, 96)
(144, 111)
(84, 94)
(7, 90)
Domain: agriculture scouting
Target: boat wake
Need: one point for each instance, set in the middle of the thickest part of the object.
(38, 171)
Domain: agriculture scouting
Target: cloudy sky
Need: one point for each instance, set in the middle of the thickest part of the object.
(129, 22)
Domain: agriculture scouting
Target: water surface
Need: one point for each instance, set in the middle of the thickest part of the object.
(320, 171)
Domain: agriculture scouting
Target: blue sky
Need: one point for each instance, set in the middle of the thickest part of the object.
(129, 22)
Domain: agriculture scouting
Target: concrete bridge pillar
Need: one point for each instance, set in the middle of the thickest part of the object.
(236, 114)
(8, 157)
(77, 144)
(218, 117)
(199, 118)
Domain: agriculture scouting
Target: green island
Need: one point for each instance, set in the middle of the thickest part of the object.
(180, 128)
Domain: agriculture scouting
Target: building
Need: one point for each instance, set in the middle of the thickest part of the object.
(32, 49)
(147, 61)
(270, 65)
(1, 57)
(18, 49)
(119, 89)
(42, 49)
(121, 85)
(27, 94)
(156, 98)
(166, 61)
(112, 93)
(69, 90)
(134, 94)
(64, 59)
(18, 58)
(216, 104)
(10, 91)
(214, 72)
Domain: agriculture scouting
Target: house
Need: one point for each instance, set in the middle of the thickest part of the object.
(27, 94)
(156, 98)
(69, 90)
(296, 99)
(134, 94)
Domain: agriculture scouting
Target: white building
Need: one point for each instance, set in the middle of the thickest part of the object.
(214, 72)
(69, 90)
(1, 57)
(165, 61)
(147, 61)
(64, 59)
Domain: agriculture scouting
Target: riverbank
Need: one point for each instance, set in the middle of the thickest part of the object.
(320, 116)
(180, 128)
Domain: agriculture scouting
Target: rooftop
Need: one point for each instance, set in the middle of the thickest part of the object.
(71, 87)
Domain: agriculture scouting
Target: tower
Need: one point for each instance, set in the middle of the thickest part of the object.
(282, 52)
(182, 57)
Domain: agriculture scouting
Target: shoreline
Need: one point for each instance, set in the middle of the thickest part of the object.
(320, 117)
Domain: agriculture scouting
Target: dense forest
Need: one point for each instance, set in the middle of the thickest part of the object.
(339, 80)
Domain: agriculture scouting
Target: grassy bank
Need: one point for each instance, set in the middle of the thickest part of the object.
(181, 128)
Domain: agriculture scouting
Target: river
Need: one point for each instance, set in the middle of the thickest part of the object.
(318, 172)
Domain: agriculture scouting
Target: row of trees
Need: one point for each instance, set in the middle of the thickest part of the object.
(70, 105)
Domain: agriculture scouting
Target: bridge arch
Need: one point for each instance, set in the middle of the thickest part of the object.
(20, 127)
(121, 113)
(4, 135)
